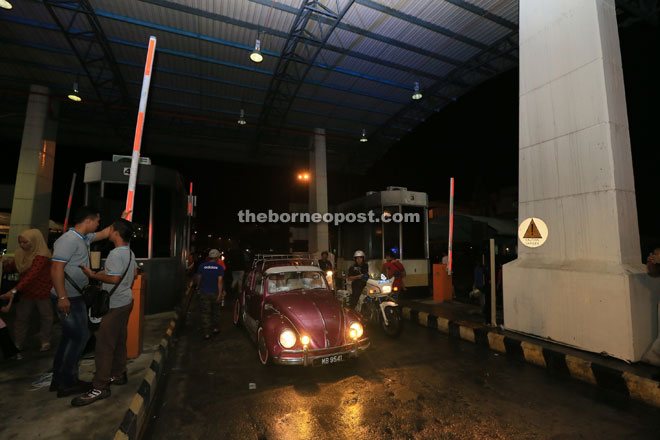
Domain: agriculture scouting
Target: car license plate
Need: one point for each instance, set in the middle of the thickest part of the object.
(331, 359)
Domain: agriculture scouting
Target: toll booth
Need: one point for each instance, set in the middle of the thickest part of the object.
(408, 240)
(159, 221)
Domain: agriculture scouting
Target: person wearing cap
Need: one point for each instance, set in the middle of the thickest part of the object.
(358, 274)
(209, 280)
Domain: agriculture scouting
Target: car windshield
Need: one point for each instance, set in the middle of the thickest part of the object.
(288, 281)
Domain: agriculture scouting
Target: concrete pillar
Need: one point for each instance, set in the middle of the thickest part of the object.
(318, 192)
(34, 179)
(586, 286)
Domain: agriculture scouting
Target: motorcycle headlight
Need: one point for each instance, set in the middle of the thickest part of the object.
(287, 338)
(387, 289)
(355, 330)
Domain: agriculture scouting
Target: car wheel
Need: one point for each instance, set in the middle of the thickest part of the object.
(237, 312)
(262, 349)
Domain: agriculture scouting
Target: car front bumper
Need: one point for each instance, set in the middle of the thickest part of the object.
(306, 357)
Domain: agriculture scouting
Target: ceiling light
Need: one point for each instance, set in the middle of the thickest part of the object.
(364, 136)
(417, 94)
(4, 4)
(75, 94)
(256, 55)
(241, 119)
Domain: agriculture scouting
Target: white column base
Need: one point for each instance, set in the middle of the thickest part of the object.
(593, 306)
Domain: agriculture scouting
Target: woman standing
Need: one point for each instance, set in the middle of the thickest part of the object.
(32, 262)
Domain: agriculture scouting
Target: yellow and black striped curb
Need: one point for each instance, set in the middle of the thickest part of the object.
(625, 384)
(135, 419)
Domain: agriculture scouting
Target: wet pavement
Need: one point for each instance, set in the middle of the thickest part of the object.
(423, 385)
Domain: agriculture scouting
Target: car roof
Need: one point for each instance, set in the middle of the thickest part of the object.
(264, 266)
(292, 268)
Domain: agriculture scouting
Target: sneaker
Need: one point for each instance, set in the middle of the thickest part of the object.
(119, 380)
(90, 396)
(78, 388)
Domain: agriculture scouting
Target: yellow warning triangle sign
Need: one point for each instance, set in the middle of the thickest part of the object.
(532, 231)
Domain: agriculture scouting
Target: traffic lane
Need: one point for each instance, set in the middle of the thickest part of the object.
(422, 385)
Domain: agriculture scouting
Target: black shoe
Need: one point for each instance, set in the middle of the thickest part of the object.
(90, 396)
(53, 385)
(119, 380)
(78, 388)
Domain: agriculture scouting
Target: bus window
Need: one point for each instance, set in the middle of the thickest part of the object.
(391, 231)
(414, 241)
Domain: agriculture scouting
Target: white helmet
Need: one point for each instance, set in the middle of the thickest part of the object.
(358, 253)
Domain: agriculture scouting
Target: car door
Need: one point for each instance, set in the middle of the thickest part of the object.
(248, 319)
(256, 297)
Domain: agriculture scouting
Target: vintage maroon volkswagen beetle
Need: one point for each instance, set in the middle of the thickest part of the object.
(289, 310)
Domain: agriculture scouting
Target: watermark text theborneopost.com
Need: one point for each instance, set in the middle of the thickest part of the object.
(245, 216)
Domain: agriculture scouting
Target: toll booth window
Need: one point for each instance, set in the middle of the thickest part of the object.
(162, 225)
(391, 231)
(376, 239)
(413, 234)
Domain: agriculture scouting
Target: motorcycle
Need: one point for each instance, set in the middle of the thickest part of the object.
(377, 304)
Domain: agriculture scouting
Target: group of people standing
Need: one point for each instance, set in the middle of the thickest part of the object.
(55, 283)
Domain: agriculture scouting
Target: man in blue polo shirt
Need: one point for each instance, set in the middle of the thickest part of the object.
(209, 279)
(71, 251)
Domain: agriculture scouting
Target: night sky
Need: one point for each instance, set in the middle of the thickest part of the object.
(474, 140)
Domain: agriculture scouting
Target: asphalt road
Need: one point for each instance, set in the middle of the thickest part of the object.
(420, 386)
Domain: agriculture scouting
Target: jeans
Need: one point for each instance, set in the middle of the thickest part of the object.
(75, 333)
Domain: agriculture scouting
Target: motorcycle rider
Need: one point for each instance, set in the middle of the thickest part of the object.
(358, 274)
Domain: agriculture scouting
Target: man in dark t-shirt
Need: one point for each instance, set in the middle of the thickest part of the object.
(209, 279)
(358, 274)
(324, 263)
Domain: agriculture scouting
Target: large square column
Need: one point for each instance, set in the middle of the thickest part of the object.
(586, 286)
(34, 178)
(318, 192)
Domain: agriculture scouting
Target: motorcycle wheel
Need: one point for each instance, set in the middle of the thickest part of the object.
(394, 325)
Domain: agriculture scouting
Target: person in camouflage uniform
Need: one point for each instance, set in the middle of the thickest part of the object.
(209, 279)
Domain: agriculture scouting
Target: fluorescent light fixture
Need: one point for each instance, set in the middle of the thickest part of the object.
(417, 94)
(4, 4)
(241, 119)
(75, 94)
(256, 55)
(364, 136)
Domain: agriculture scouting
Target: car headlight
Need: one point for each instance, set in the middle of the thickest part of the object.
(305, 340)
(387, 289)
(287, 338)
(355, 330)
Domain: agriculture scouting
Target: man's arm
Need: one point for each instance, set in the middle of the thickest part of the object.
(57, 276)
(101, 276)
(105, 233)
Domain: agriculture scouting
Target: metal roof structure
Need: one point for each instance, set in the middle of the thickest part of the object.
(342, 65)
